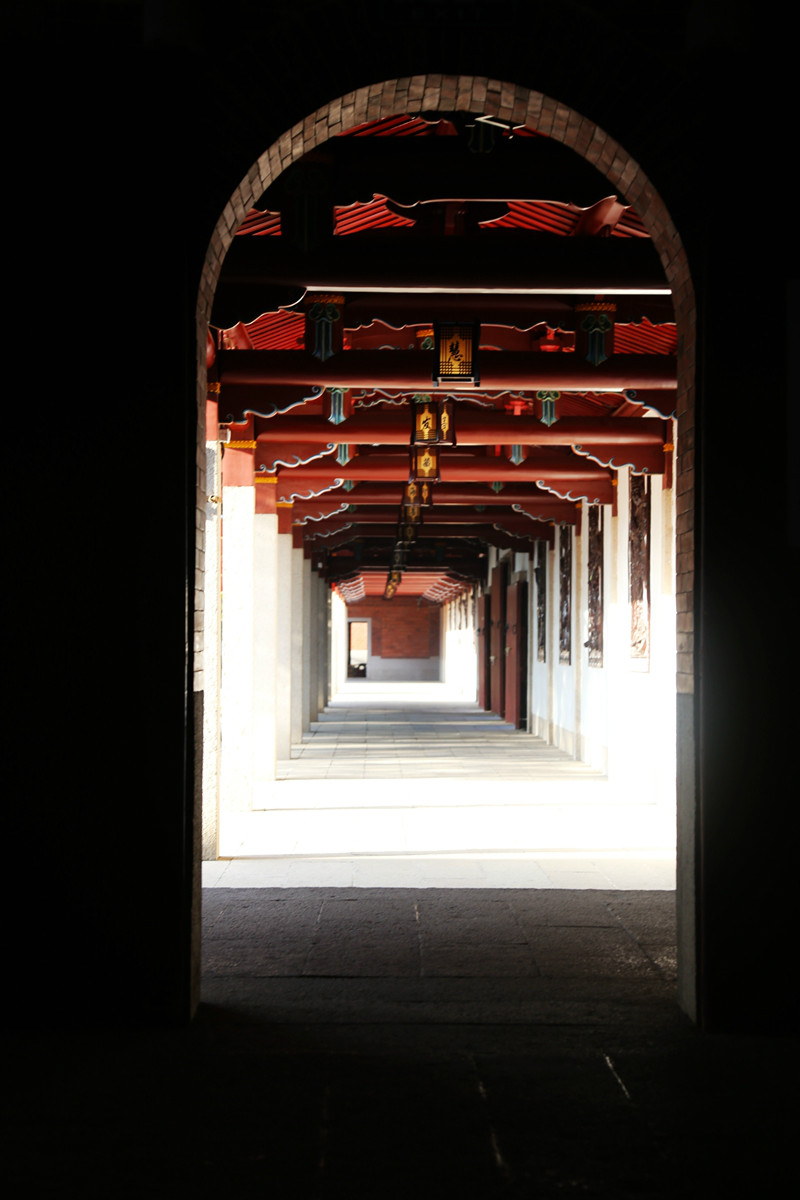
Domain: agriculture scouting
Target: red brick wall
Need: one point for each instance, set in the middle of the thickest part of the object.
(400, 628)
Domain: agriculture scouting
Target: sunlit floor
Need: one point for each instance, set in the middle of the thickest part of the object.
(404, 785)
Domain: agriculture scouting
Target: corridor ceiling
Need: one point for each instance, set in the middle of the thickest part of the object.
(325, 319)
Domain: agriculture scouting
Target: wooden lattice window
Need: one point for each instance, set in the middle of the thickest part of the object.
(595, 640)
(565, 595)
(639, 566)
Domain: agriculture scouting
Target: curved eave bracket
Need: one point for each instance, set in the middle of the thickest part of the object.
(310, 494)
(323, 516)
(275, 411)
(293, 460)
(573, 497)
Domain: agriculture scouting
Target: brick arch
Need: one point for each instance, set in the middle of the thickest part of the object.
(522, 106)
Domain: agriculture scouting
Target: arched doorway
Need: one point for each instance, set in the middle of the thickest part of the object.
(519, 108)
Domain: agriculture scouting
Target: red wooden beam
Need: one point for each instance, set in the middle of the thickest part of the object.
(490, 428)
(414, 369)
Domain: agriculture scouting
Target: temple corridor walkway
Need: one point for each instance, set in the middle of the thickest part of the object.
(409, 785)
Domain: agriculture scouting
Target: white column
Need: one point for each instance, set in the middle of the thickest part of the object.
(307, 644)
(247, 764)
(211, 655)
(283, 682)
(313, 647)
(265, 654)
(299, 601)
(324, 666)
(238, 507)
(338, 643)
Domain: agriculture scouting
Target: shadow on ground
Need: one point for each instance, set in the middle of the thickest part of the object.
(364, 1044)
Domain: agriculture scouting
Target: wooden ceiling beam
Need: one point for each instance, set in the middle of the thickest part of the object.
(413, 370)
(488, 427)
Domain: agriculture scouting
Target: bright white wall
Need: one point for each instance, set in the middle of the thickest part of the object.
(642, 692)
(593, 734)
(619, 718)
(407, 669)
(460, 668)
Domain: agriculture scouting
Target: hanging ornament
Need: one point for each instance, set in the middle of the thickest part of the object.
(324, 325)
(339, 404)
(457, 353)
(432, 421)
(593, 329)
(548, 399)
(424, 465)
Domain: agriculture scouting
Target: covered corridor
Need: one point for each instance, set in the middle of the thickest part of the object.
(395, 785)
(301, 1081)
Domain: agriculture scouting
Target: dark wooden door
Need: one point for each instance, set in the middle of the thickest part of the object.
(497, 641)
(483, 651)
(516, 654)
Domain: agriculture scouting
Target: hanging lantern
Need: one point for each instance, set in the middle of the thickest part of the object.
(411, 514)
(432, 421)
(417, 495)
(457, 353)
(406, 533)
(447, 424)
(392, 584)
(424, 465)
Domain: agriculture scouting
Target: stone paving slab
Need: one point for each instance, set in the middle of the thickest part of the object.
(489, 1080)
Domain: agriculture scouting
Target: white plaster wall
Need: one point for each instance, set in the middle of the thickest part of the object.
(265, 654)
(283, 682)
(212, 633)
(338, 643)
(236, 726)
(460, 667)
(405, 669)
(593, 733)
(641, 701)
(299, 641)
(249, 606)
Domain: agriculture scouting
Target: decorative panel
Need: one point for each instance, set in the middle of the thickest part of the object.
(595, 641)
(565, 595)
(540, 573)
(639, 566)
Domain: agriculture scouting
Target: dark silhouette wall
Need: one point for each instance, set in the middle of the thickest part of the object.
(154, 115)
